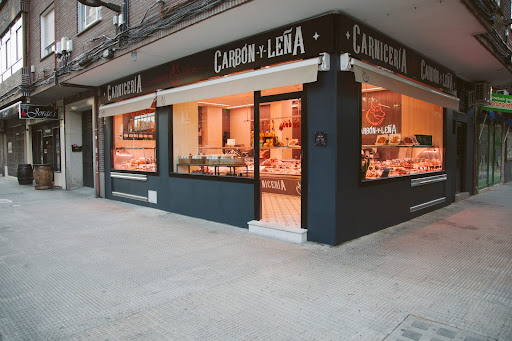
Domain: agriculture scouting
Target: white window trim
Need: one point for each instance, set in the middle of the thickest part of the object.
(46, 50)
(82, 26)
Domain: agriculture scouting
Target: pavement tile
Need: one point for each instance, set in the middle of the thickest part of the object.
(101, 269)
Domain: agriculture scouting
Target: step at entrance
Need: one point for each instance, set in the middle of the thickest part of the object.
(294, 235)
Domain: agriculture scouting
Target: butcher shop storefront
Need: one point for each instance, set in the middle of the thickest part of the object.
(297, 133)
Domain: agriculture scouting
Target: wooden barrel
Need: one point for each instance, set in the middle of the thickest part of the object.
(43, 176)
(25, 174)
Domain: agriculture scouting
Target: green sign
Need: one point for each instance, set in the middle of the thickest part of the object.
(500, 102)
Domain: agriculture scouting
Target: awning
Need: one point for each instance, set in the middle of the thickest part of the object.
(365, 73)
(304, 71)
(127, 106)
(10, 111)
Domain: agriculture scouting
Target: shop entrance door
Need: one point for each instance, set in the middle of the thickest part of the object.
(461, 157)
(37, 147)
(48, 150)
(280, 159)
(87, 154)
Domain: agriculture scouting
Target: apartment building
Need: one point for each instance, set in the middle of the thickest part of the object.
(319, 121)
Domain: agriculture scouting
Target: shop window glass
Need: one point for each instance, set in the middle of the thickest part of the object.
(400, 135)
(497, 151)
(490, 153)
(214, 136)
(135, 141)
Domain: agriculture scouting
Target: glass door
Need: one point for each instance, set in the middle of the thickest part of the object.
(483, 155)
(497, 154)
(280, 161)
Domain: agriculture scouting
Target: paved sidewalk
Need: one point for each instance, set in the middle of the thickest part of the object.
(76, 267)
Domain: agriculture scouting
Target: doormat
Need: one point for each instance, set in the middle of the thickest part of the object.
(418, 329)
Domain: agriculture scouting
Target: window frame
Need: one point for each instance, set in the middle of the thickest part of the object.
(369, 181)
(50, 47)
(174, 174)
(82, 17)
(133, 171)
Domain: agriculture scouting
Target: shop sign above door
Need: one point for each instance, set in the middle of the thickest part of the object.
(30, 111)
(365, 43)
(289, 43)
(500, 102)
(10, 111)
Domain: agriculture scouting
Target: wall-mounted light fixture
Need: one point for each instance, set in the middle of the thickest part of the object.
(64, 47)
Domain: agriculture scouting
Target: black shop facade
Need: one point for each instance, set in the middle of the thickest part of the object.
(323, 130)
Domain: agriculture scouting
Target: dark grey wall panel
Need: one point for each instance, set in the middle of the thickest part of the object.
(322, 112)
(225, 202)
(450, 156)
(426, 193)
(139, 188)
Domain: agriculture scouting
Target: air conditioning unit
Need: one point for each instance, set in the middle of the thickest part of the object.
(502, 92)
(482, 93)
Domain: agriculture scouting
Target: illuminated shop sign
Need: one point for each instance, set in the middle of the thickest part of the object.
(291, 42)
(29, 111)
(125, 88)
(365, 43)
(500, 102)
(296, 41)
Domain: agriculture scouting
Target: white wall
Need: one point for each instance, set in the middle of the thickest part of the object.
(214, 127)
(185, 141)
(278, 110)
(60, 178)
(74, 163)
(240, 126)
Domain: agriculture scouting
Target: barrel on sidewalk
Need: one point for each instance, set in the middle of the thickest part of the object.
(43, 176)
(25, 174)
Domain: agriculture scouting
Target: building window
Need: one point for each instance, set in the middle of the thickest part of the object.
(135, 141)
(400, 135)
(214, 136)
(47, 32)
(87, 16)
(11, 50)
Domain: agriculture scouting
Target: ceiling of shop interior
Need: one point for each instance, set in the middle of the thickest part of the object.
(439, 29)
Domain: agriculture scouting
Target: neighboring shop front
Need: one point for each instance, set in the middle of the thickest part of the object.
(297, 128)
(494, 161)
(14, 140)
(33, 136)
